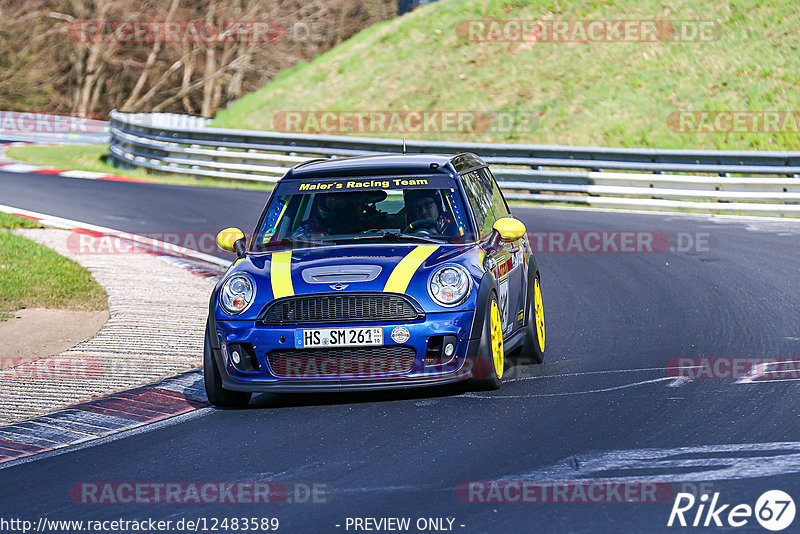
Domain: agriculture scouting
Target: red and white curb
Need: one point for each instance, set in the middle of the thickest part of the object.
(151, 333)
(103, 417)
(157, 316)
(111, 414)
(9, 165)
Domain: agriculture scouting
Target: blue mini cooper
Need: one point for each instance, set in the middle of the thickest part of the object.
(373, 273)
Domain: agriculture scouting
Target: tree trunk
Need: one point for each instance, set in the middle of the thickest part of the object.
(131, 103)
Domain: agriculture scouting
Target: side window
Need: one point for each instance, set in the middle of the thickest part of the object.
(499, 206)
(478, 187)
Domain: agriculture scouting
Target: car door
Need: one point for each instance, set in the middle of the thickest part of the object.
(511, 275)
(488, 205)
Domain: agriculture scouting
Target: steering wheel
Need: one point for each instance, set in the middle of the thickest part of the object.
(422, 227)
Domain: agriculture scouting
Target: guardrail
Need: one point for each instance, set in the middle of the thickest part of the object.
(709, 181)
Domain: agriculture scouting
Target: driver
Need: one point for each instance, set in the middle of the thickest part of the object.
(338, 213)
(426, 205)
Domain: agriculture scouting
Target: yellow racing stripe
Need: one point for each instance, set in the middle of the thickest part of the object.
(401, 276)
(281, 274)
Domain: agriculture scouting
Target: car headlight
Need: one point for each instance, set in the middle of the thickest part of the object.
(449, 285)
(237, 294)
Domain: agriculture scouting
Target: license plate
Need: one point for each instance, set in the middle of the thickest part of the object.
(338, 337)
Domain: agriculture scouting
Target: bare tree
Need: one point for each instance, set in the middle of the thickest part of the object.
(70, 55)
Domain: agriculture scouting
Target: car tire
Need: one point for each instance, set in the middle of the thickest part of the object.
(533, 347)
(213, 381)
(487, 372)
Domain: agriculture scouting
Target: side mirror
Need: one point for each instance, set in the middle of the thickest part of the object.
(509, 229)
(232, 240)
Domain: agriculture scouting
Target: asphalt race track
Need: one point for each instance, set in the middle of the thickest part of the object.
(602, 406)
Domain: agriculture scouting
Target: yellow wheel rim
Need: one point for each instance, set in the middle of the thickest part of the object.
(539, 311)
(497, 340)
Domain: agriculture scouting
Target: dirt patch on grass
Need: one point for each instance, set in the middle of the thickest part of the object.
(39, 332)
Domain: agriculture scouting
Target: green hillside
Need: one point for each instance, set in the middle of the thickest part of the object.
(576, 93)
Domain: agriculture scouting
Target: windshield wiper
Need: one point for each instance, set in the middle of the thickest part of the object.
(396, 236)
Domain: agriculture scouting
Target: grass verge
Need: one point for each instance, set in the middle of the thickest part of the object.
(620, 94)
(94, 158)
(34, 276)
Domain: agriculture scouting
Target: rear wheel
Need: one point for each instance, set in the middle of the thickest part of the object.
(490, 361)
(533, 347)
(213, 381)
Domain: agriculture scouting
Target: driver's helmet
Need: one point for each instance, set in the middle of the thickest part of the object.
(419, 204)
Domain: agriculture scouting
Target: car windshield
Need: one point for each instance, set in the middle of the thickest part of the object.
(413, 209)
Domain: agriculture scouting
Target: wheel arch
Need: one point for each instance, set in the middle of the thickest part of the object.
(487, 285)
(533, 272)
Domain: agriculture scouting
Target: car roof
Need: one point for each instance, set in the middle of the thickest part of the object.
(384, 165)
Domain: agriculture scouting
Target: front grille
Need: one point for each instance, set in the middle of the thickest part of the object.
(337, 308)
(342, 362)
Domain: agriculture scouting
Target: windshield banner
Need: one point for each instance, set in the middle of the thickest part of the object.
(366, 184)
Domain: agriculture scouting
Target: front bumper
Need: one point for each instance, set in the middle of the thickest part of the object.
(264, 339)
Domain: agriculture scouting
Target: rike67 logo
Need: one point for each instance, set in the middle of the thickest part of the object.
(774, 510)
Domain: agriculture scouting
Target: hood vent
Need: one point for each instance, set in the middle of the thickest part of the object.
(341, 274)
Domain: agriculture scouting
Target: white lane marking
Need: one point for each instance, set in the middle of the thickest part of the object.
(782, 370)
(761, 369)
(756, 371)
(22, 167)
(586, 373)
(725, 461)
(155, 243)
(92, 175)
(712, 217)
(532, 395)
(763, 381)
(678, 382)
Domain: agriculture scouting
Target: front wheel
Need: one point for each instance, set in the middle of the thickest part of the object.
(488, 367)
(213, 381)
(534, 331)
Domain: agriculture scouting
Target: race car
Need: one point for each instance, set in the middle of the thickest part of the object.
(374, 272)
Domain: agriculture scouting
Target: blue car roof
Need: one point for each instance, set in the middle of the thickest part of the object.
(384, 165)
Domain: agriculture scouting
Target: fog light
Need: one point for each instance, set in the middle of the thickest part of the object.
(441, 350)
(243, 357)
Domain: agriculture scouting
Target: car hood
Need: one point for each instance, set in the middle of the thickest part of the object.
(395, 268)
